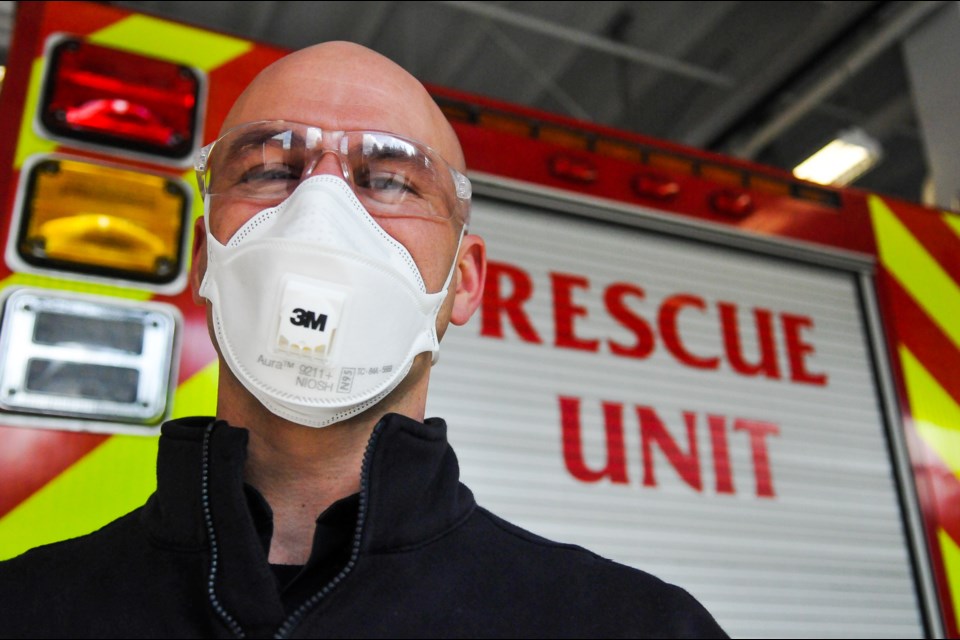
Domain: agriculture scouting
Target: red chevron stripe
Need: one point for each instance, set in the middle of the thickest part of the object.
(923, 337)
(937, 488)
(30, 458)
(936, 236)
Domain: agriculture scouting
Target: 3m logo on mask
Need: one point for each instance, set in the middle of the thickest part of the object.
(304, 318)
(310, 311)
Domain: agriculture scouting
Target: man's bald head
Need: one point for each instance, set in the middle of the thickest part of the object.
(344, 86)
(339, 86)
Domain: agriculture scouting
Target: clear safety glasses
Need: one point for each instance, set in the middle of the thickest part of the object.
(391, 175)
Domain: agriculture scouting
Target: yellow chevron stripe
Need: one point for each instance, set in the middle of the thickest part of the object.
(936, 415)
(28, 142)
(952, 220)
(175, 42)
(950, 553)
(198, 395)
(111, 480)
(917, 272)
(195, 212)
(190, 177)
(46, 282)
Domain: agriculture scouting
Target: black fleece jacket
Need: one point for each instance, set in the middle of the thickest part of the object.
(425, 561)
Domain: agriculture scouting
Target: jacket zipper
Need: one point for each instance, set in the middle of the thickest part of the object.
(295, 618)
(228, 620)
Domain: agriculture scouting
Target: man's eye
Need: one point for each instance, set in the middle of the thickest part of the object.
(266, 174)
(384, 181)
(388, 184)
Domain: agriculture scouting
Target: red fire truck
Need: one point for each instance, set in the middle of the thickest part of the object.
(746, 384)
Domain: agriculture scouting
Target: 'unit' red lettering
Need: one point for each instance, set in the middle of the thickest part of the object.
(721, 454)
(758, 449)
(653, 430)
(654, 433)
(616, 468)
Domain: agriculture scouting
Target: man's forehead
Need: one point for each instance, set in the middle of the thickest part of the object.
(339, 86)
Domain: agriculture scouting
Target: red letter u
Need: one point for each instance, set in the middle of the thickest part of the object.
(616, 468)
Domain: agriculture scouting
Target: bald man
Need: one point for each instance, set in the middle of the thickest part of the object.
(319, 502)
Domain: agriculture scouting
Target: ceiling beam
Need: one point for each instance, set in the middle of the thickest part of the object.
(562, 58)
(890, 33)
(832, 24)
(549, 86)
(588, 40)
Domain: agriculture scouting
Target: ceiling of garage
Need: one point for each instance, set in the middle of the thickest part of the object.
(769, 81)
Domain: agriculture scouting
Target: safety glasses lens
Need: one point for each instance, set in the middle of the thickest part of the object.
(389, 174)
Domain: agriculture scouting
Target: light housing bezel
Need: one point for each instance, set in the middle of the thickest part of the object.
(126, 150)
(156, 363)
(169, 285)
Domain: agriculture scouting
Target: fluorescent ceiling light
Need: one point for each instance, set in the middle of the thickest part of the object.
(842, 161)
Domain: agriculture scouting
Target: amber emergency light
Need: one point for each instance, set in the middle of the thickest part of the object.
(96, 219)
(111, 97)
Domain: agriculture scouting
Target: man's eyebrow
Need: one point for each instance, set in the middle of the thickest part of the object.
(394, 152)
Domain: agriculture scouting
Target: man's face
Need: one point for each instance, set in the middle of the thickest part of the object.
(343, 87)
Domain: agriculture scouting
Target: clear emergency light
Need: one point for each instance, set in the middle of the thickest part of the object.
(85, 357)
(91, 218)
(119, 99)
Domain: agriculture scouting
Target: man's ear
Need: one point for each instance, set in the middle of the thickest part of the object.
(470, 277)
(198, 265)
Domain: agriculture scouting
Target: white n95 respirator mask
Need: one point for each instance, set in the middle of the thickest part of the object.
(317, 310)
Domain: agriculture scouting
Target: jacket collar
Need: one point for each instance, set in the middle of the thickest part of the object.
(410, 485)
(410, 493)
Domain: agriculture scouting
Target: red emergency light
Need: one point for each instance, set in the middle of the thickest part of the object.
(655, 185)
(107, 96)
(572, 169)
(733, 203)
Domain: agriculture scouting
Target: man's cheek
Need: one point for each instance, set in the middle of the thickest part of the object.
(431, 243)
(443, 317)
(228, 216)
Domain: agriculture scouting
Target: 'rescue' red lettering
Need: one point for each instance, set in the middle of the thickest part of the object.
(797, 349)
(763, 320)
(656, 437)
(667, 319)
(509, 288)
(613, 299)
(564, 311)
(494, 304)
